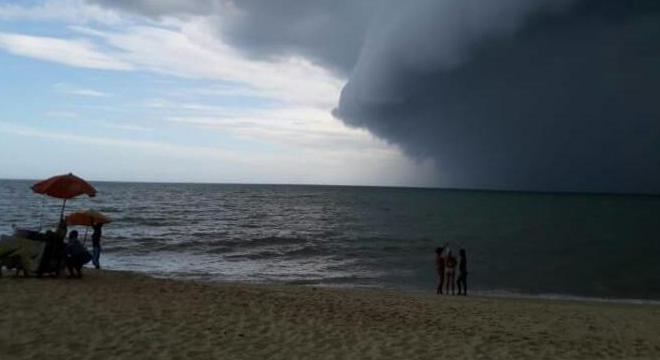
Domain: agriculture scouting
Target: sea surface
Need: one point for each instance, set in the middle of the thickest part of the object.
(603, 246)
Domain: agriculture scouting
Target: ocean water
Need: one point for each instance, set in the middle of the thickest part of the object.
(601, 246)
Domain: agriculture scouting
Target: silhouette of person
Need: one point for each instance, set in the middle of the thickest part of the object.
(450, 273)
(58, 245)
(440, 267)
(47, 256)
(61, 228)
(74, 254)
(96, 245)
(461, 282)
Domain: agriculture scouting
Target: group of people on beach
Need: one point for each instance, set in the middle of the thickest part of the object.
(452, 272)
(49, 252)
(76, 255)
(73, 253)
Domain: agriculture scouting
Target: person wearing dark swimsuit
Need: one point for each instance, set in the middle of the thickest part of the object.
(96, 245)
(461, 282)
(440, 267)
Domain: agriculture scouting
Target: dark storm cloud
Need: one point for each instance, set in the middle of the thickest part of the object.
(508, 94)
(568, 102)
(327, 32)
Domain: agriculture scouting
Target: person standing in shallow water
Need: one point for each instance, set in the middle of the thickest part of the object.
(461, 282)
(96, 245)
(440, 267)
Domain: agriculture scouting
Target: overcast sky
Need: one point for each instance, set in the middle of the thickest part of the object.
(545, 95)
(112, 94)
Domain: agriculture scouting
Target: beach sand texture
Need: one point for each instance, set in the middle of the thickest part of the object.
(119, 315)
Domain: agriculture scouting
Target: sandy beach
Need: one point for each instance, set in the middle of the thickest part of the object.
(120, 315)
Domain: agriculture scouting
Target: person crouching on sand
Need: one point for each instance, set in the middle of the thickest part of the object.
(450, 271)
(76, 255)
(461, 282)
(440, 267)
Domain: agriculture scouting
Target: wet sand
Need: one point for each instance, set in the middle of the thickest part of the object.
(119, 315)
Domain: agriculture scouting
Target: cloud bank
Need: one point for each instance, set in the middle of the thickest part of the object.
(553, 95)
(565, 100)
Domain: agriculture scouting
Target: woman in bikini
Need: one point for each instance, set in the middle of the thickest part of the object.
(450, 271)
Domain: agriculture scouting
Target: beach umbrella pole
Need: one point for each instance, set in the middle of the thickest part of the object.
(41, 212)
(62, 212)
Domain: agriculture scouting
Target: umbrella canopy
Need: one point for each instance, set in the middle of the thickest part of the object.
(87, 218)
(64, 187)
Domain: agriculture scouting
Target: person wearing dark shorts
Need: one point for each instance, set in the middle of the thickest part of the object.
(96, 245)
(440, 267)
(461, 282)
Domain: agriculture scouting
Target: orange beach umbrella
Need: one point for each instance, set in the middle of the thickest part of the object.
(87, 218)
(64, 187)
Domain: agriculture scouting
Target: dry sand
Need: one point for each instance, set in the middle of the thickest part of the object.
(118, 315)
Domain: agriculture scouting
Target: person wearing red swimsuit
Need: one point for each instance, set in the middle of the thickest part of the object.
(450, 273)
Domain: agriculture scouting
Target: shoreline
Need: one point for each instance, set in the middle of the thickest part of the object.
(494, 294)
(498, 294)
(129, 315)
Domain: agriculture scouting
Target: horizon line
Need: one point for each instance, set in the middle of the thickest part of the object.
(467, 189)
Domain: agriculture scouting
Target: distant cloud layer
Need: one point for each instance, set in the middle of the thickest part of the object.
(508, 94)
(157, 8)
(70, 52)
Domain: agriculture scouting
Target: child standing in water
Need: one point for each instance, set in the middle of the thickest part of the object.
(450, 272)
(461, 282)
(440, 267)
